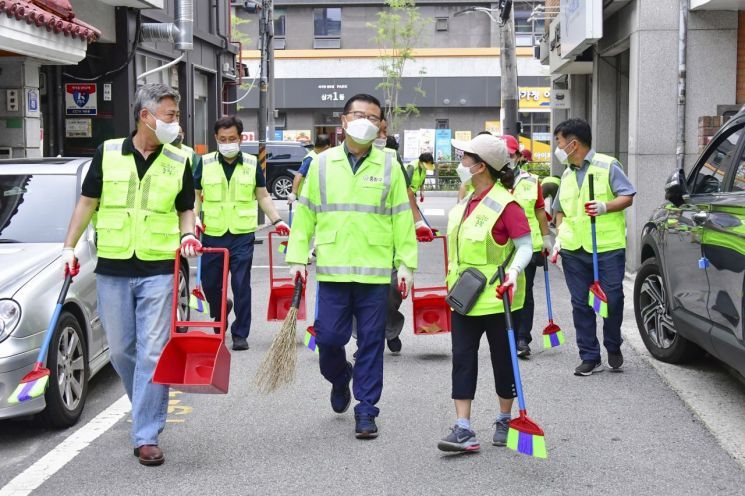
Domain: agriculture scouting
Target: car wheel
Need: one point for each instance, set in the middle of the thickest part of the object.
(282, 187)
(68, 384)
(654, 320)
(183, 312)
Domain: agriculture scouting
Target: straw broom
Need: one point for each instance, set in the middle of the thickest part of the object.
(278, 367)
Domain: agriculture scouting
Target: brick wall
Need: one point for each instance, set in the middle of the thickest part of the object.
(708, 127)
(740, 97)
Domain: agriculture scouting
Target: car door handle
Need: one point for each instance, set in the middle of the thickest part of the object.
(700, 217)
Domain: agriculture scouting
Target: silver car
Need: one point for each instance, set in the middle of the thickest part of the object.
(37, 198)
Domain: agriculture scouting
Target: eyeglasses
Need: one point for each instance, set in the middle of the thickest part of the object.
(361, 115)
(231, 139)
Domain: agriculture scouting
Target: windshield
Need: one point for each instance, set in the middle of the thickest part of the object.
(36, 209)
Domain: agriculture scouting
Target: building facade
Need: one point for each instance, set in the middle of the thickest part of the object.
(325, 52)
(620, 72)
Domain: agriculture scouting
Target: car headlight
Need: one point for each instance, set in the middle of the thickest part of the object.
(10, 314)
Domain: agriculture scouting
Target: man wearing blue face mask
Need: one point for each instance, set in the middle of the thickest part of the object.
(229, 189)
(356, 204)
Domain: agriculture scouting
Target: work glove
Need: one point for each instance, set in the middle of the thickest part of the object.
(297, 270)
(69, 262)
(423, 232)
(190, 246)
(555, 251)
(509, 284)
(282, 228)
(594, 208)
(291, 198)
(198, 227)
(405, 280)
(548, 244)
(421, 197)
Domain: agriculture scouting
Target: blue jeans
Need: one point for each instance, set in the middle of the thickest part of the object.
(578, 275)
(368, 303)
(136, 315)
(241, 248)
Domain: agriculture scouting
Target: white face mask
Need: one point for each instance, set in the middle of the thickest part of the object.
(229, 150)
(561, 155)
(464, 173)
(165, 132)
(362, 131)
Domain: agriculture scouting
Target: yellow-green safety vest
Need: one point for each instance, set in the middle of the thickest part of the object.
(575, 231)
(138, 217)
(229, 205)
(471, 244)
(362, 221)
(525, 192)
(417, 174)
(551, 180)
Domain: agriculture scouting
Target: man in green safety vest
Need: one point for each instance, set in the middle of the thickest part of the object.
(230, 187)
(196, 159)
(138, 235)
(355, 203)
(417, 171)
(573, 208)
(322, 144)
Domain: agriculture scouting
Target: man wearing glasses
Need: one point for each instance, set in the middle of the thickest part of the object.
(355, 203)
(229, 189)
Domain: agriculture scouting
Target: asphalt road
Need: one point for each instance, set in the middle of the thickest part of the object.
(625, 433)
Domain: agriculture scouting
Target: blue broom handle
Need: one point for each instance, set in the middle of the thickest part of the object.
(513, 347)
(290, 224)
(548, 288)
(315, 312)
(55, 317)
(591, 185)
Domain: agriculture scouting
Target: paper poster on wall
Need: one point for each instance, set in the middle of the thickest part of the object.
(81, 99)
(443, 149)
(463, 135)
(78, 128)
(297, 135)
(411, 145)
(494, 127)
(427, 141)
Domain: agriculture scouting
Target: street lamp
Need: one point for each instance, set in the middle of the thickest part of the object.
(503, 17)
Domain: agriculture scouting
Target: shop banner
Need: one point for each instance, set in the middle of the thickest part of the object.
(426, 141)
(411, 145)
(443, 148)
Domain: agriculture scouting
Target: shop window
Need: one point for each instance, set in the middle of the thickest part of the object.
(279, 22)
(327, 22)
(145, 63)
(526, 33)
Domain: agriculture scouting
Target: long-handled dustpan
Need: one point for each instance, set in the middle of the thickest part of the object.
(596, 297)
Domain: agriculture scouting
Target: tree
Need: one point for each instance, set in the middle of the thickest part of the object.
(397, 32)
(239, 28)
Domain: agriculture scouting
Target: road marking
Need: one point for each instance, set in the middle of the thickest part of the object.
(434, 211)
(34, 476)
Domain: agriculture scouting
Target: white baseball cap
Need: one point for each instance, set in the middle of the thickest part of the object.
(491, 149)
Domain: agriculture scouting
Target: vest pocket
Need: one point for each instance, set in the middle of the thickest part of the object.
(473, 245)
(160, 193)
(244, 190)
(113, 230)
(212, 189)
(115, 192)
(214, 219)
(161, 233)
(245, 218)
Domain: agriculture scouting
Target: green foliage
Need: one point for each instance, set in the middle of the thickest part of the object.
(397, 31)
(239, 29)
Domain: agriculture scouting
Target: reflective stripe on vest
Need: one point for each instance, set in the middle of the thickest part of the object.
(525, 192)
(471, 245)
(229, 205)
(138, 217)
(575, 231)
(354, 231)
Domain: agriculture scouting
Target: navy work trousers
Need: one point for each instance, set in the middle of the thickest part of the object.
(241, 248)
(338, 302)
(578, 274)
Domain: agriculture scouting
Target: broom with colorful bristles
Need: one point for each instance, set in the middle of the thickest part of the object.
(552, 334)
(596, 297)
(524, 435)
(34, 383)
(278, 367)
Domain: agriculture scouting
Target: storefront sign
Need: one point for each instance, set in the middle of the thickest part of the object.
(295, 135)
(443, 148)
(542, 137)
(535, 98)
(541, 151)
(494, 127)
(248, 136)
(80, 99)
(107, 92)
(333, 92)
(78, 128)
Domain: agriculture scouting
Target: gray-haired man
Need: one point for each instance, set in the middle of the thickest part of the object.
(138, 235)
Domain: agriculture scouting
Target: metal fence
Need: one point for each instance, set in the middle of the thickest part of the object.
(446, 179)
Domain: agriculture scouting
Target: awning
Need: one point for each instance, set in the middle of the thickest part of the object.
(45, 29)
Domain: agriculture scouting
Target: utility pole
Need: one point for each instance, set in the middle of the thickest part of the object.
(263, 88)
(270, 68)
(508, 65)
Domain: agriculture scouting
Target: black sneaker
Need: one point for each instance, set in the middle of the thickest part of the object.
(341, 396)
(395, 345)
(523, 349)
(588, 367)
(239, 343)
(615, 362)
(365, 427)
(459, 440)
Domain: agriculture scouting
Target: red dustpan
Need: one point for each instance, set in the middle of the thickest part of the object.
(196, 361)
(431, 312)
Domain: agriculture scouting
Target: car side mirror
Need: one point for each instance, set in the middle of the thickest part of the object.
(675, 188)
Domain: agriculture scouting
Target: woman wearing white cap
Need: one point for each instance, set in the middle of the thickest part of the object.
(483, 231)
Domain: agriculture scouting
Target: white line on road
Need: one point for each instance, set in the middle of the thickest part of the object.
(34, 476)
(434, 211)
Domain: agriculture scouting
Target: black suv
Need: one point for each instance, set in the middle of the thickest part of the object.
(688, 295)
(283, 159)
